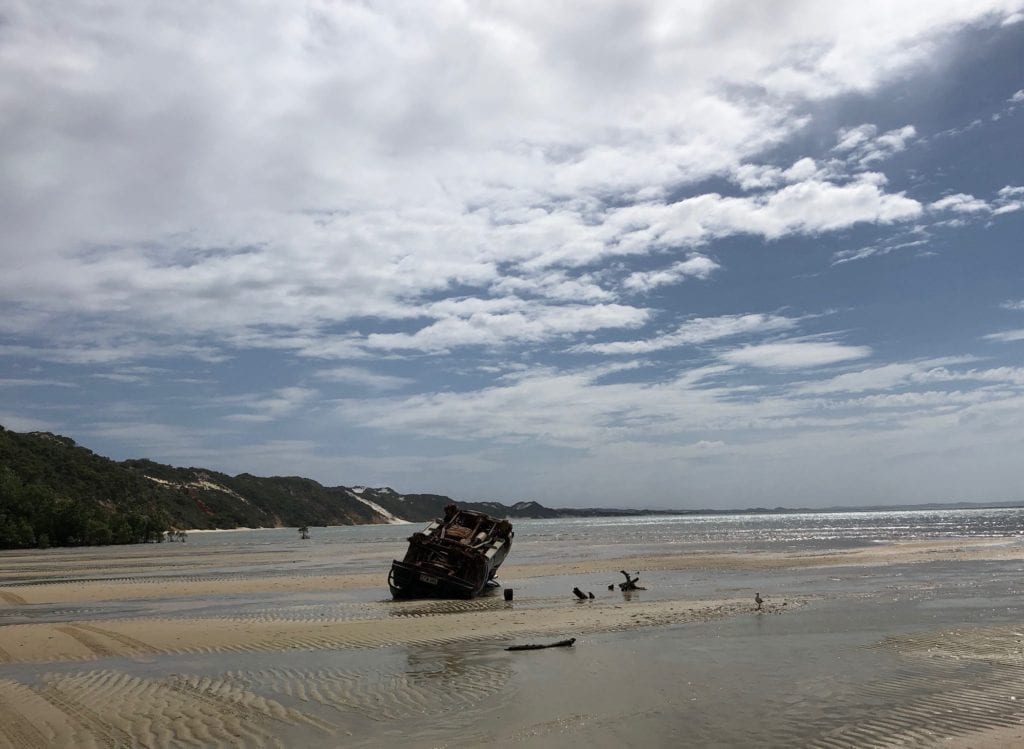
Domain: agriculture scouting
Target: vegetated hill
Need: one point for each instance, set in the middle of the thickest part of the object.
(55, 492)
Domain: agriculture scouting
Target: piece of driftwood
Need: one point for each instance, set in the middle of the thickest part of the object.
(560, 644)
(579, 593)
(631, 582)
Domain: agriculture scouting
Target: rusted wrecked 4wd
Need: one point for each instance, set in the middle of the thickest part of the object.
(455, 557)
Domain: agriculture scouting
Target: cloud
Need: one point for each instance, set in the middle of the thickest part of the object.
(755, 176)
(280, 403)
(371, 158)
(21, 423)
(884, 377)
(794, 354)
(426, 209)
(852, 138)
(862, 144)
(809, 207)
(966, 208)
(694, 332)
(362, 377)
(1013, 304)
(1006, 336)
(528, 324)
(16, 382)
(572, 408)
(1009, 200)
(555, 285)
(960, 203)
(862, 253)
(695, 266)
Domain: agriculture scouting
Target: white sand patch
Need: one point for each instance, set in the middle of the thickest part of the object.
(388, 517)
(201, 484)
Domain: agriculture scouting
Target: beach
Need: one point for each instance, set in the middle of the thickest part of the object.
(260, 640)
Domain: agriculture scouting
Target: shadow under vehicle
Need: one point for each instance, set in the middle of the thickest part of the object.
(455, 557)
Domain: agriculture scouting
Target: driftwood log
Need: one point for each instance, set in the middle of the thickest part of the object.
(579, 593)
(560, 644)
(631, 582)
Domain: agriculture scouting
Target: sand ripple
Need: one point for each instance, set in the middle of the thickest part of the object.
(957, 683)
(384, 695)
(105, 708)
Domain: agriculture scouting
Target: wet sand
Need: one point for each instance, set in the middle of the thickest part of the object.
(894, 644)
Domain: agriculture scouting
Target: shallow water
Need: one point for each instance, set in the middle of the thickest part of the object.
(800, 531)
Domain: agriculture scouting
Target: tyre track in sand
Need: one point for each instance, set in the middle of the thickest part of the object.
(12, 598)
(17, 731)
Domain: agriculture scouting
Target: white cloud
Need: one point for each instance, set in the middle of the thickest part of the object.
(794, 354)
(966, 209)
(280, 403)
(694, 332)
(20, 382)
(695, 266)
(1006, 336)
(960, 203)
(884, 377)
(531, 324)
(556, 285)
(1009, 200)
(862, 253)
(757, 176)
(809, 207)
(553, 408)
(20, 423)
(373, 157)
(852, 138)
(362, 377)
(862, 144)
(351, 182)
(873, 378)
(1013, 304)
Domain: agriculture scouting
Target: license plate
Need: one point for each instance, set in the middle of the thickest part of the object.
(429, 579)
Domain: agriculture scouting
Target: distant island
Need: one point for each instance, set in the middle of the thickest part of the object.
(54, 492)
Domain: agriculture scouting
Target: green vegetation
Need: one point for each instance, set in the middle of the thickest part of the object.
(55, 493)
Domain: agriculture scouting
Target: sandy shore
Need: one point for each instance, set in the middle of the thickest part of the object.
(128, 617)
(189, 575)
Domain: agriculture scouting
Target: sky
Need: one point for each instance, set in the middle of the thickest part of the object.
(607, 254)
